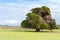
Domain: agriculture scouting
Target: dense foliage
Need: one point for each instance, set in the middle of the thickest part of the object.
(39, 18)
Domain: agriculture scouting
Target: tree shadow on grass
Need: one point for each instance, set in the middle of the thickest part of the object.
(39, 31)
(28, 31)
(44, 31)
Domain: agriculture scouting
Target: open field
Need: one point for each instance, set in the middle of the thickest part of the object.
(9, 34)
(29, 35)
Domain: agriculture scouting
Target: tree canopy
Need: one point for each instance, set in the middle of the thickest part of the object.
(39, 18)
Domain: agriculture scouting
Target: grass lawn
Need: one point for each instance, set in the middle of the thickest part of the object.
(9, 35)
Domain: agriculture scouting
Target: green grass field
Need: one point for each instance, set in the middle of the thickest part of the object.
(10, 35)
(15, 33)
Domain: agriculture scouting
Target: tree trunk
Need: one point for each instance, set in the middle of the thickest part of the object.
(37, 29)
(51, 30)
(51, 27)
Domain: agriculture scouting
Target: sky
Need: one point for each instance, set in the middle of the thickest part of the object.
(13, 12)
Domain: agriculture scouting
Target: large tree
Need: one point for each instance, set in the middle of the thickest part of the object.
(40, 18)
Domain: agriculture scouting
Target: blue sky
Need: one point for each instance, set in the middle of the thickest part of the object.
(12, 12)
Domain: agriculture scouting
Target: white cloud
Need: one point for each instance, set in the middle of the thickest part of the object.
(10, 22)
